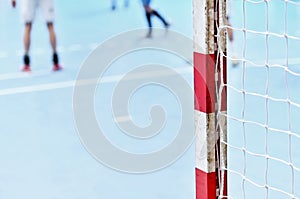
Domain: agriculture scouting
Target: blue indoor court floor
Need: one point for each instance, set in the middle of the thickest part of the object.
(41, 153)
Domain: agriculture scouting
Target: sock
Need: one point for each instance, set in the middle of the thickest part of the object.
(26, 59)
(148, 16)
(55, 58)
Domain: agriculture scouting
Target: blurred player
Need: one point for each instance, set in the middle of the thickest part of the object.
(234, 60)
(149, 12)
(228, 14)
(28, 10)
(114, 4)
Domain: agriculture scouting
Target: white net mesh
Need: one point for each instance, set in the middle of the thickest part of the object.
(263, 90)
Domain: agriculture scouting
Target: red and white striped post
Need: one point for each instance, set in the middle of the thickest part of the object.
(211, 161)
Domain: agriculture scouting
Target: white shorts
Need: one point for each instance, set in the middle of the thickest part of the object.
(29, 8)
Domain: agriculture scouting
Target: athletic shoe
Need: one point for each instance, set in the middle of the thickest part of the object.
(26, 61)
(56, 67)
(26, 68)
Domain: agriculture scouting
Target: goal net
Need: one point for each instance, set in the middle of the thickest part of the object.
(247, 98)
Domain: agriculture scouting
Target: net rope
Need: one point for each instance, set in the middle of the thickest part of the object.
(268, 187)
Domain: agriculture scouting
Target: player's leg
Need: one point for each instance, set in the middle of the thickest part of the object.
(229, 30)
(231, 48)
(26, 40)
(166, 24)
(113, 4)
(148, 13)
(52, 37)
(148, 17)
(47, 7)
(28, 8)
(126, 3)
(154, 12)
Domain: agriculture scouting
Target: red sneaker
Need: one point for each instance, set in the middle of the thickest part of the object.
(26, 68)
(56, 67)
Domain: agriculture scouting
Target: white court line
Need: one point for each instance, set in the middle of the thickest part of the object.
(107, 79)
(42, 87)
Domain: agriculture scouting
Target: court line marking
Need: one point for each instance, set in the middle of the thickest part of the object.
(72, 83)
